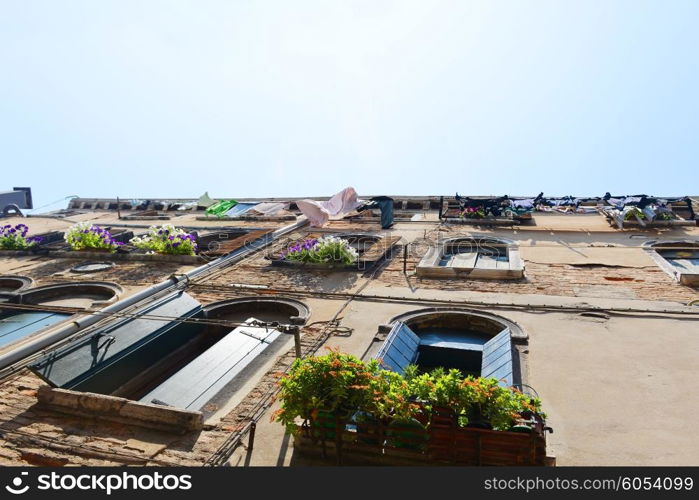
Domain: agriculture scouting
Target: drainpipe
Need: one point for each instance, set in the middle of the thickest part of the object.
(35, 345)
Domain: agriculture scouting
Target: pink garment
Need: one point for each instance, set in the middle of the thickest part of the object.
(319, 212)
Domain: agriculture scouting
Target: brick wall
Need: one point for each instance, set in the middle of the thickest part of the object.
(648, 283)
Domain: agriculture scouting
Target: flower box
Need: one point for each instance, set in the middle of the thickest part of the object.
(436, 445)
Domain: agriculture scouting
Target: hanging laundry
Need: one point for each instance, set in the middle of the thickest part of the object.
(383, 203)
(205, 201)
(319, 212)
(240, 209)
(270, 208)
(187, 206)
(219, 209)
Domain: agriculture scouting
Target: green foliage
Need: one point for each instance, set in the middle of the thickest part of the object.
(166, 239)
(335, 383)
(633, 212)
(341, 384)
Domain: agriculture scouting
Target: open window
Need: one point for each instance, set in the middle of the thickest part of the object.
(678, 258)
(182, 363)
(474, 257)
(474, 343)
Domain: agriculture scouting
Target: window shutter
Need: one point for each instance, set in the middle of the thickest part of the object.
(80, 360)
(399, 349)
(205, 376)
(497, 358)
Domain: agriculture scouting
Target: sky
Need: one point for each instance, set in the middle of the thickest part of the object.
(149, 98)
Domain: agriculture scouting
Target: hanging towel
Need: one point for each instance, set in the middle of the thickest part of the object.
(319, 212)
(219, 209)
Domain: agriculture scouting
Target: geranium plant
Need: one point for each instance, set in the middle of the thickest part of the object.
(326, 250)
(87, 236)
(15, 238)
(336, 383)
(342, 385)
(166, 239)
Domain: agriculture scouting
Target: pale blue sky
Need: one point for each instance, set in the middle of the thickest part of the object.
(293, 98)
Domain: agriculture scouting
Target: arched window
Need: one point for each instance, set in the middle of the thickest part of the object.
(474, 257)
(678, 258)
(475, 343)
(28, 311)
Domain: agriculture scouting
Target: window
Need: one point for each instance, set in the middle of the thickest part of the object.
(474, 343)
(475, 257)
(678, 258)
(183, 364)
(31, 310)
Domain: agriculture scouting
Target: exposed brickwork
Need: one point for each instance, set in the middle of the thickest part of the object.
(258, 270)
(649, 283)
(46, 270)
(34, 435)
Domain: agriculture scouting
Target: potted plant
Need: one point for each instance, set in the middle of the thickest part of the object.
(473, 213)
(329, 250)
(320, 388)
(86, 236)
(15, 238)
(166, 239)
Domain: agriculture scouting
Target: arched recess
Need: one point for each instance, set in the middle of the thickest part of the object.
(14, 283)
(282, 310)
(73, 294)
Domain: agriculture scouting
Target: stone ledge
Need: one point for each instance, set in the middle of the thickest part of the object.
(120, 410)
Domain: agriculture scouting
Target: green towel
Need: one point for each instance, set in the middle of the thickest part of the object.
(219, 209)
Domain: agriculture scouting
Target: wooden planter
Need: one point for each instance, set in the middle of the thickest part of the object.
(442, 443)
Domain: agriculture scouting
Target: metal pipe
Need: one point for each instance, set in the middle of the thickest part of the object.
(297, 341)
(9, 358)
(251, 436)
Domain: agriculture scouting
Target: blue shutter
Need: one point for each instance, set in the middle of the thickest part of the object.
(497, 358)
(399, 349)
(83, 359)
(195, 384)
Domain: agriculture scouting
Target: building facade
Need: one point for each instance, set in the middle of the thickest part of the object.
(127, 357)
